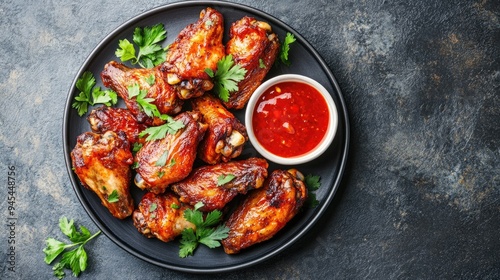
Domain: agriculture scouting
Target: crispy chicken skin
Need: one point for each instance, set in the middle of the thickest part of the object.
(170, 159)
(119, 77)
(102, 163)
(226, 135)
(202, 183)
(253, 46)
(156, 217)
(106, 118)
(265, 211)
(197, 47)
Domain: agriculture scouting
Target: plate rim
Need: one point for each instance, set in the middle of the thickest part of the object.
(287, 243)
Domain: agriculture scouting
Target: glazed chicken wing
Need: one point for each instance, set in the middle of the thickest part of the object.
(203, 183)
(265, 211)
(156, 217)
(102, 163)
(253, 46)
(225, 136)
(115, 119)
(119, 78)
(197, 47)
(170, 159)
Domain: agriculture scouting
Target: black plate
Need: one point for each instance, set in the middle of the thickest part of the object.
(330, 166)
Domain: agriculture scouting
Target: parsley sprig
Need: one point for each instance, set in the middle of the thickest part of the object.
(206, 233)
(312, 183)
(159, 132)
(145, 103)
(285, 48)
(91, 95)
(75, 259)
(148, 40)
(226, 77)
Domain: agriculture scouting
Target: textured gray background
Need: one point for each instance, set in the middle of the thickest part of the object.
(420, 197)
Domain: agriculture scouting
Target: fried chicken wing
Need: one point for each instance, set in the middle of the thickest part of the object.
(115, 119)
(225, 136)
(202, 185)
(197, 47)
(170, 159)
(119, 78)
(253, 46)
(102, 163)
(156, 217)
(265, 211)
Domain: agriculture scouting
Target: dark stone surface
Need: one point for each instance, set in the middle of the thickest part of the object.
(420, 197)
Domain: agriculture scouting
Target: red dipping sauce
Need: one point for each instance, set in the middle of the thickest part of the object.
(290, 119)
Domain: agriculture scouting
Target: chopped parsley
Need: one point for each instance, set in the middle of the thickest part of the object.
(113, 197)
(224, 179)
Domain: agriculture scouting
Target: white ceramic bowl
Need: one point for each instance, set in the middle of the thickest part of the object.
(323, 144)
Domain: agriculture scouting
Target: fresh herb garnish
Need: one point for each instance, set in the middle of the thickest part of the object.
(113, 197)
(75, 259)
(136, 147)
(312, 184)
(226, 77)
(90, 95)
(152, 207)
(144, 102)
(150, 52)
(224, 179)
(205, 232)
(261, 63)
(162, 160)
(151, 79)
(159, 132)
(285, 48)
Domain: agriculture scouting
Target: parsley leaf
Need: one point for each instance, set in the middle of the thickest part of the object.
(312, 184)
(189, 242)
(113, 197)
(75, 259)
(224, 179)
(147, 39)
(162, 160)
(90, 95)
(285, 48)
(226, 77)
(143, 101)
(204, 233)
(261, 63)
(159, 132)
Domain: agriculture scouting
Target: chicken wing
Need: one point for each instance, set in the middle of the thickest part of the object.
(170, 159)
(161, 216)
(102, 163)
(225, 136)
(197, 47)
(253, 46)
(119, 78)
(115, 119)
(203, 183)
(265, 211)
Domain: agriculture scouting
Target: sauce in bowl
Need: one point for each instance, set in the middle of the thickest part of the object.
(290, 119)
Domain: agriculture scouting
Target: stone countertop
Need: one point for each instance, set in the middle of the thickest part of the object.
(420, 195)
